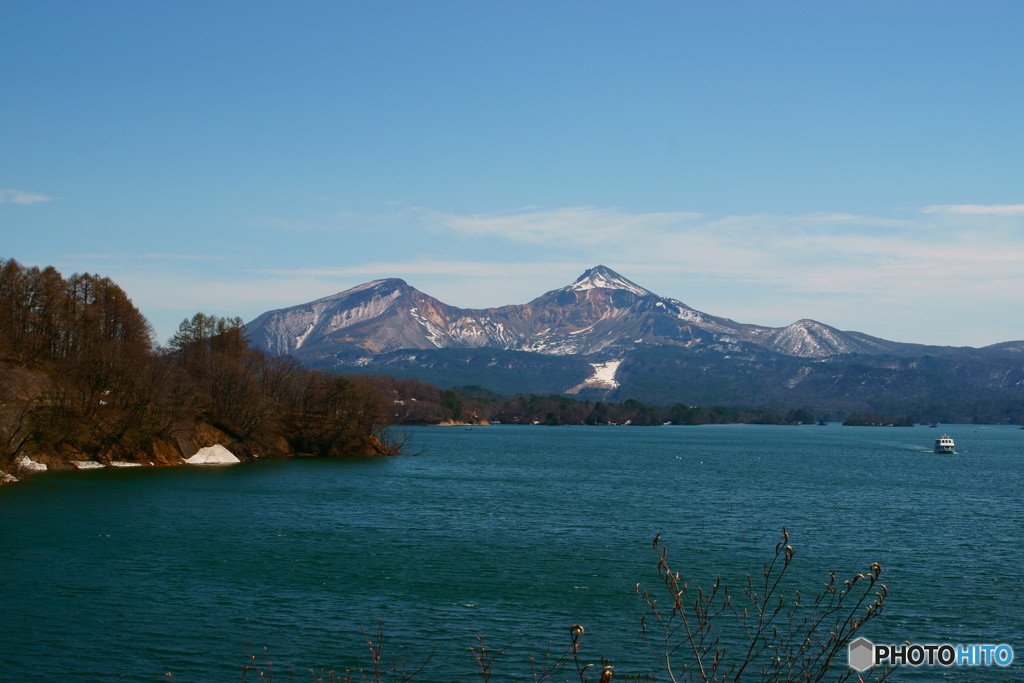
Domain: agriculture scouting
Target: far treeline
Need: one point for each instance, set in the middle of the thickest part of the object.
(82, 379)
(416, 402)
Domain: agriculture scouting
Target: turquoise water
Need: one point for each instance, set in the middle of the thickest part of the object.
(509, 533)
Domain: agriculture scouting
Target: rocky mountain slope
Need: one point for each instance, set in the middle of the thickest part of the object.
(601, 312)
(604, 336)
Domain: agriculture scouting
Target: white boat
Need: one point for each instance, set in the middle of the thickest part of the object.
(944, 444)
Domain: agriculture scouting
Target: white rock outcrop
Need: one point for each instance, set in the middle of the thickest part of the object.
(213, 455)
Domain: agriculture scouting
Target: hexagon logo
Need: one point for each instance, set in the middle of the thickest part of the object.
(861, 654)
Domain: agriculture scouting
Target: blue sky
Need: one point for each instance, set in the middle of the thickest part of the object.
(861, 164)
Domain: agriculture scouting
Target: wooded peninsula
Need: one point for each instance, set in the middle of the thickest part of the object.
(82, 379)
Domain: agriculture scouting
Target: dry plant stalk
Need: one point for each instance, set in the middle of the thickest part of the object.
(397, 670)
(780, 639)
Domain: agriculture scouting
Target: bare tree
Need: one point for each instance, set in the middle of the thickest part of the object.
(17, 403)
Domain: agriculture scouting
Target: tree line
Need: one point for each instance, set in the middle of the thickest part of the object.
(416, 402)
(81, 378)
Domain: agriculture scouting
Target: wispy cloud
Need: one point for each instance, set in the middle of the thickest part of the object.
(584, 225)
(12, 196)
(977, 209)
(424, 267)
(751, 248)
(464, 283)
(147, 256)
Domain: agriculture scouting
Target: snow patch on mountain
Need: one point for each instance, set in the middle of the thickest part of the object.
(604, 373)
(434, 333)
(482, 331)
(304, 336)
(585, 329)
(365, 286)
(552, 346)
(800, 376)
(603, 377)
(600, 277)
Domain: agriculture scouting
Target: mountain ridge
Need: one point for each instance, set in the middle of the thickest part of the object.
(600, 312)
(605, 337)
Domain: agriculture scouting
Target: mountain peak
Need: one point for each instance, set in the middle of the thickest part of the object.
(603, 277)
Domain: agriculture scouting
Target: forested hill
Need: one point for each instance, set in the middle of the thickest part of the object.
(81, 380)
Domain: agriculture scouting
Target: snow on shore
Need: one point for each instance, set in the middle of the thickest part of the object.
(213, 455)
(28, 464)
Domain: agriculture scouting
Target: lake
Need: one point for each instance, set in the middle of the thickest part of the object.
(507, 533)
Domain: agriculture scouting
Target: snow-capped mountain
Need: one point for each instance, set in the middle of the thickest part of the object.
(602, 312)
(605, 337)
